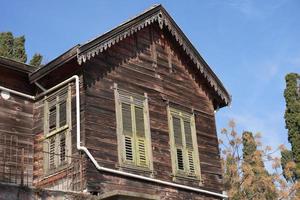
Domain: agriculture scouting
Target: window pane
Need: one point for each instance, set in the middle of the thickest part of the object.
(128, 148)
(52, 152)
(179, 155)
(62, 145)
(139, 118)
(62, 114)
(52, 118)
(191, 162)
(126, 119)
(188, 134)
(142, 157)
(177, 131)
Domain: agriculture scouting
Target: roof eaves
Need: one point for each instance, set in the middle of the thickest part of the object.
(104, 41)
(55, 63)
(160, 15)
(16, 65)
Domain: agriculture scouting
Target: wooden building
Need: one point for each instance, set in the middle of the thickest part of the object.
(128, 115)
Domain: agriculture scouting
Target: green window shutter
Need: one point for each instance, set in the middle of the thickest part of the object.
(189, 146)
(127, 131)
(191, 162)
(177, 132)
(141, 149)
(128, 148)
(188, 134)
(139, 120)
(140, 134)
(178, 142)
(126, 119)
(180, 162)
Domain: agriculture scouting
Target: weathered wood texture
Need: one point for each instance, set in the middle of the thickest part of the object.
(72, 171)
(15, 128)
(151, 62)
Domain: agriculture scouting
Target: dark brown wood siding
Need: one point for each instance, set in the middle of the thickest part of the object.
(48, 180)
(15, 129)
(135, 65)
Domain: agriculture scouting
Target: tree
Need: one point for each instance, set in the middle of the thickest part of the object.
(244, 173)
(6, 44)
(292, 116)
(258, 183)
(288, 165)
(19, 53)
(36, 60)
(14, 48)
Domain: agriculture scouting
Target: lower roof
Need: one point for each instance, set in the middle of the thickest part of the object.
(15, 65)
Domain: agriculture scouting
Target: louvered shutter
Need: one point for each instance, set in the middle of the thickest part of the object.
(189, 146)
(52, 118)
(62, 113)
(62, 98)
(62, 146)
(52, 152)
(141, 139)
(178, 142)
(177, 132)
(127, 131)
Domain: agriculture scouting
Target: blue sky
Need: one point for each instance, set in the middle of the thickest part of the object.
(250, 45)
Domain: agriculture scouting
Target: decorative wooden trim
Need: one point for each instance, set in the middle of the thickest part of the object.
(158, 15)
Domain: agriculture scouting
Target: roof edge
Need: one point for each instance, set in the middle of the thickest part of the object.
(156, 14)
(55, 63)
(16, 65)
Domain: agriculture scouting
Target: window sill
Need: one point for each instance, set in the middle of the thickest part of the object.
(135, 169)
(56, 170)
(184, 177)
(56, 131)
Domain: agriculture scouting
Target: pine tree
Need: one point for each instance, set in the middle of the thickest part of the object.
(6, 44)
(286, 162)
(14, 48)
(19, 53)
(258, 184)
(36, 60)
(292, 116)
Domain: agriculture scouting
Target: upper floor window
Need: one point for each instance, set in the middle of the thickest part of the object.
(183, 140)
(133, 129)
(57, 126)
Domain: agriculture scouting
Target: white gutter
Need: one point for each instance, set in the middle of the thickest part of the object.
(17, 93)
(83, 148)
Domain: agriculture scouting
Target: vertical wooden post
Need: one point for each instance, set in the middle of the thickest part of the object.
(22, 167)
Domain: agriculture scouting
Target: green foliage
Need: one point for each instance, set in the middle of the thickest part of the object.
(286, 161)
(14, 48)
(292, 116)
(258, 182)
(19, 53)
(6, 44)
(249, 147)
(36, 60)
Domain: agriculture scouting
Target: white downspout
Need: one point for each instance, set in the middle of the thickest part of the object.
(83, 148)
